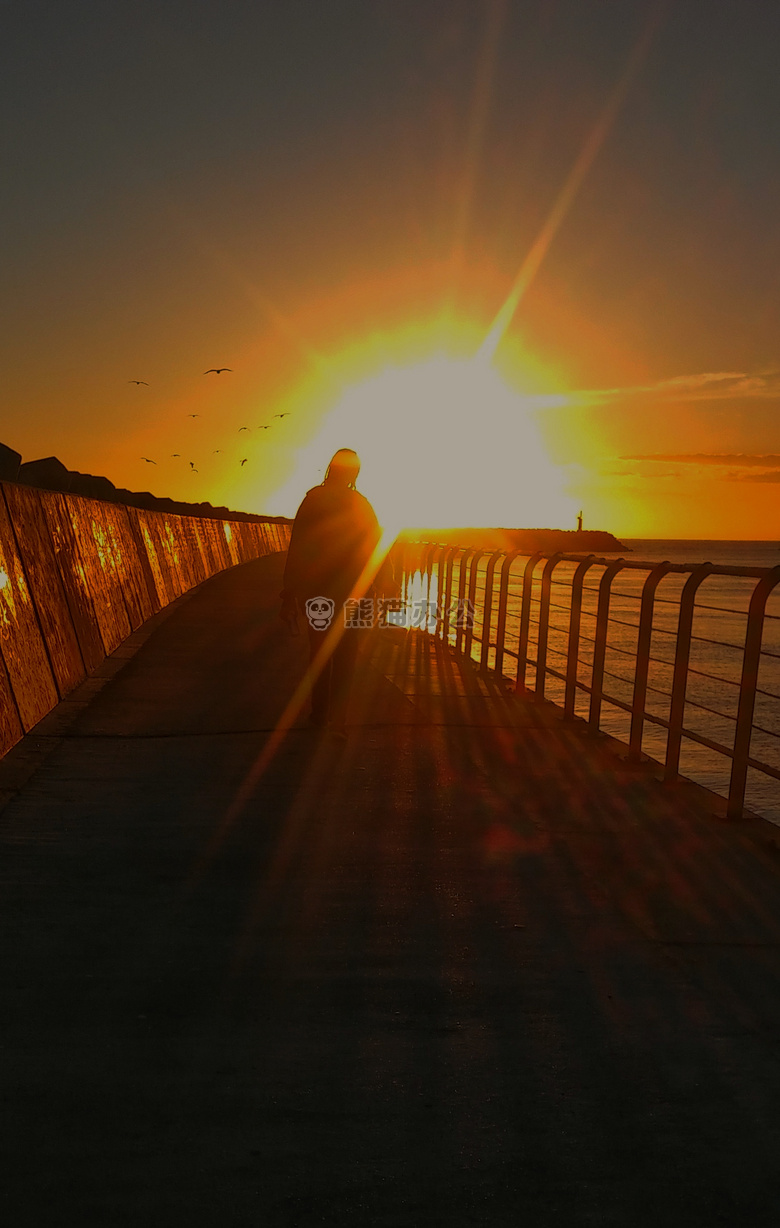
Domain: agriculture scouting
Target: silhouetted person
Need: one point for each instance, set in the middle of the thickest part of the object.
(334, 535)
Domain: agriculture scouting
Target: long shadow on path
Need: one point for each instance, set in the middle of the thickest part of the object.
(463, 968)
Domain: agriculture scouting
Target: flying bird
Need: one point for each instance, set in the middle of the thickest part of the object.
(217, 370)
(244, 461)
(192, 465)
(214, 453)
(264, 428)
(242, 428)
(175, 453)
(148, 461)
(137, 381)
(282, 415)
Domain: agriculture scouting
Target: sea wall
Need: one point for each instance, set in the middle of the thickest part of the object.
(78, 575)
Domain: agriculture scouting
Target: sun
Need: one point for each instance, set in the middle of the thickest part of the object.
(444, 442)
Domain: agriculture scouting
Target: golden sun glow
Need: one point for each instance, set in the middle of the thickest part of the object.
(443, 442)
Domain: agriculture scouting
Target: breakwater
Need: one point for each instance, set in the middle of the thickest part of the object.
(78, 575)
(527, 540)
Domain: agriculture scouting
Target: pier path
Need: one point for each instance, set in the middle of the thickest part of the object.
(465, 968)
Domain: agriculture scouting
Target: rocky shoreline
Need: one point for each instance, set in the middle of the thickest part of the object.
(49, 473)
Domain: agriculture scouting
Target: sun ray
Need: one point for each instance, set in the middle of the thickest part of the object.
(290, 714)
(563, 202)
(478, 114)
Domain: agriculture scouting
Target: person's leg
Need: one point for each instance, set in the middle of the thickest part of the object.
(321, 685)
(343, 668)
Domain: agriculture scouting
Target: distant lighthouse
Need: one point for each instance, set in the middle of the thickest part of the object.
(579, 523)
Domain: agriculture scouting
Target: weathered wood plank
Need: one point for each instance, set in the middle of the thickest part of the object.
(23, 647)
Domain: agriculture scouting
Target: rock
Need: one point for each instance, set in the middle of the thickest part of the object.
(9, 463)
(48, 473)
(93, 487)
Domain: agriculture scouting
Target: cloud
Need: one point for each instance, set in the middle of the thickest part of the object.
(637, 473)
(772, 476)
(769, 460)
(704, 386)
(698, 381)
(718, 466)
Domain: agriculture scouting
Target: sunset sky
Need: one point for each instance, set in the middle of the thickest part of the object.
(523, 255)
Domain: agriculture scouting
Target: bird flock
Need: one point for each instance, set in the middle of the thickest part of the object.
(216, 451)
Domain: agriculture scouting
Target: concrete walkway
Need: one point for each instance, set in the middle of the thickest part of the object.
(465, 968)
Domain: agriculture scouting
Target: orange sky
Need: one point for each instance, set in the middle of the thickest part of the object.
(336, 204)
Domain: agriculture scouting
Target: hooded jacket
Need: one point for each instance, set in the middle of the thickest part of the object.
(334, 534)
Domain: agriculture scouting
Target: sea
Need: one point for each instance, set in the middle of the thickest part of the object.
(715, 662)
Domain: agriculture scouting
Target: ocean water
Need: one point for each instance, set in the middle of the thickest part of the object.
(715, 662)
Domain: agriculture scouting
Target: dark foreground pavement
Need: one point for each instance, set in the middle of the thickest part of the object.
(465, 968)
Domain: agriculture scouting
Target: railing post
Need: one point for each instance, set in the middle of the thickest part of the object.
(435, 563)
(430, 563)
(422, 560)
(644, 638)
(404, 580)
(472, 600)
(544, 626)
(417, 562)
(444, 612)
(747, 692)
(680, 676)
(525, 618)
(573, 647)
(399, 557)
(412, 561)
(462, 575)
(600, 646)
(503, 597)
(487, 612)
(429, 566)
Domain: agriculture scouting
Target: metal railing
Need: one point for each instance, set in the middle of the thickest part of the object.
(536, 620)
